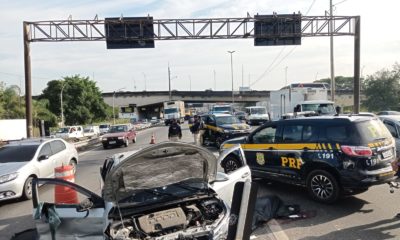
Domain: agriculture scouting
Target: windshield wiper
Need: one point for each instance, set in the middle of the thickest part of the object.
(188, 187)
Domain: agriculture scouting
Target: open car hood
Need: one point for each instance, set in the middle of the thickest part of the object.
(157, 166)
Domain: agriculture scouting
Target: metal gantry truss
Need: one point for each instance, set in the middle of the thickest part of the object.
(177, 29)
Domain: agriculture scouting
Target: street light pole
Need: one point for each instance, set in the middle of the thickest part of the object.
(231, 52)
(61, 104)
(169, 83)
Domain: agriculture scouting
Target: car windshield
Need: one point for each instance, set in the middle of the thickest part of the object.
(221, 109)
(227, 120)
(321, 108)
(120, 128)
(170, 110)
(18, 153)
(63, 130)
(372, 131)
(258, 110)
(103, 126)
(173, 191)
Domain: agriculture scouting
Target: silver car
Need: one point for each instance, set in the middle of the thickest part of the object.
(168, 191)
(24, 160)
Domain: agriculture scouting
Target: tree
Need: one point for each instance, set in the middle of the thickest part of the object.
(41, 112)
(10, 102)
(382, 90)
(82, 101)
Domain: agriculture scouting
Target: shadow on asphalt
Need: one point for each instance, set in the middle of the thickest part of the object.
(291, 194)
(11, 223)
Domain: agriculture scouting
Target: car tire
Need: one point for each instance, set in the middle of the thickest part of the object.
(126, 144)
(322, 186)
(27, 190)
(134, 140)
(105, 146)
(73, 164)
(230, 164)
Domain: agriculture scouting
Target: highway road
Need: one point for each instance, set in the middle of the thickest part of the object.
(370, 215)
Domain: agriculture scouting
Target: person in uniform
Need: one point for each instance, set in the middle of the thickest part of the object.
(174, 131)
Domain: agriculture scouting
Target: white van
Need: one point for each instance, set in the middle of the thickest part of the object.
(70, 132)
(91, 131)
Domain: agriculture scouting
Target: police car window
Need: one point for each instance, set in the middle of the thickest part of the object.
(309, 133)
(292, 133)
(337, 133)
(391, 128)
(266, 135)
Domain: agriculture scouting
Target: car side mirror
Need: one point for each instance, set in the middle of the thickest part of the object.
(221, 177)
(43, 157)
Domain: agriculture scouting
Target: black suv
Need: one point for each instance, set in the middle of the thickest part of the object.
(328, 155)
(220, 127)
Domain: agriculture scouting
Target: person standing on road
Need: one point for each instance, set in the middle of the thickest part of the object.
(197, 129)
(174, 131)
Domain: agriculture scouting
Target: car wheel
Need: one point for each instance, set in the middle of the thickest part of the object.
(323, 186)
(27, 192)
(73, 164)
(230, 164)
(126, 142)
(105, 146)
(134, 140)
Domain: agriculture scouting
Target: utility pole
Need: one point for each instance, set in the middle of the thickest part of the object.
(28, 81)
(331, 50)
(286, 75)
(357, 36)
(62, 104)
(215, 81)
(190, 83)
(233, 97)
(169, 83)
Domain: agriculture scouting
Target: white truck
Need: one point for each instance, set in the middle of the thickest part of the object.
(307, 97)
(174, 110)
(70, 132)
(12, 129)
(91, 131)
(256, 115)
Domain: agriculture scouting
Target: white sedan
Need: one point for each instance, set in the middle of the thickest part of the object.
(166, 191)
(24, 160)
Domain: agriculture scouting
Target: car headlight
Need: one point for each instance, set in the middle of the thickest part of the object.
(120, 137)
(8, 177)
(226, 131)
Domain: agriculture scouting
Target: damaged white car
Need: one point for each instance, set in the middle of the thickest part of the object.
(164, 192)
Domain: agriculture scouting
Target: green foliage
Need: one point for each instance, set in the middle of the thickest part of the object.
(41, 112)
(341, 83)
(11, 104)
(382, 90)
(82, 101)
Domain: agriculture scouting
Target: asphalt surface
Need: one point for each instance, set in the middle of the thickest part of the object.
(370, 215)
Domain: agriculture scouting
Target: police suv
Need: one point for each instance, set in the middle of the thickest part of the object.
(220, 127)
(328, 155)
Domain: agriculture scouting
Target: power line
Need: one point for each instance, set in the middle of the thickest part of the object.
(18, 75)
(268, 70)
(339, 3)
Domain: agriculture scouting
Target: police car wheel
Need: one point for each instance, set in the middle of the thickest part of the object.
(323, 186)
(230, 164)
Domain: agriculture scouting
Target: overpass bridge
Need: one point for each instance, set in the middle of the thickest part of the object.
(149, 103)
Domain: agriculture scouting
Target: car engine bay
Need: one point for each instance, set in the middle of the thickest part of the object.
(194, 219)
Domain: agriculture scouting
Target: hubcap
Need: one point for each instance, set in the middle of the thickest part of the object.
(231, 165)
(322, 186)
(28, 188)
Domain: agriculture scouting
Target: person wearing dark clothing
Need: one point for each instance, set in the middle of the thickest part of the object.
(174, 131)
(196, 129)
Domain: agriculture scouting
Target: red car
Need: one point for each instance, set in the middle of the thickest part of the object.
(119, 135)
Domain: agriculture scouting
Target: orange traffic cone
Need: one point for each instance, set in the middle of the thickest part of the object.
(63, 194)
(153, 139)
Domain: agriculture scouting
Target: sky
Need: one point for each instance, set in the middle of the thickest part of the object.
(137, 69)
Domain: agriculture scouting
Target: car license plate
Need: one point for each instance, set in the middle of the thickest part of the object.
(387, 154)
(112, 142)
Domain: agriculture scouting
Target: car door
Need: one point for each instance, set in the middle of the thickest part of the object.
(261, 149)
(84, 219)
(45, 161)
(298, 146)
(225, 183)
(60, 153)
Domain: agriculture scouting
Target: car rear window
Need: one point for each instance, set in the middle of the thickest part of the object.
(372, 131)
(18, 153)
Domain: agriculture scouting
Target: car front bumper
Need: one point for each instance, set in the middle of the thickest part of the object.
(12, 189)
(113, 142)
